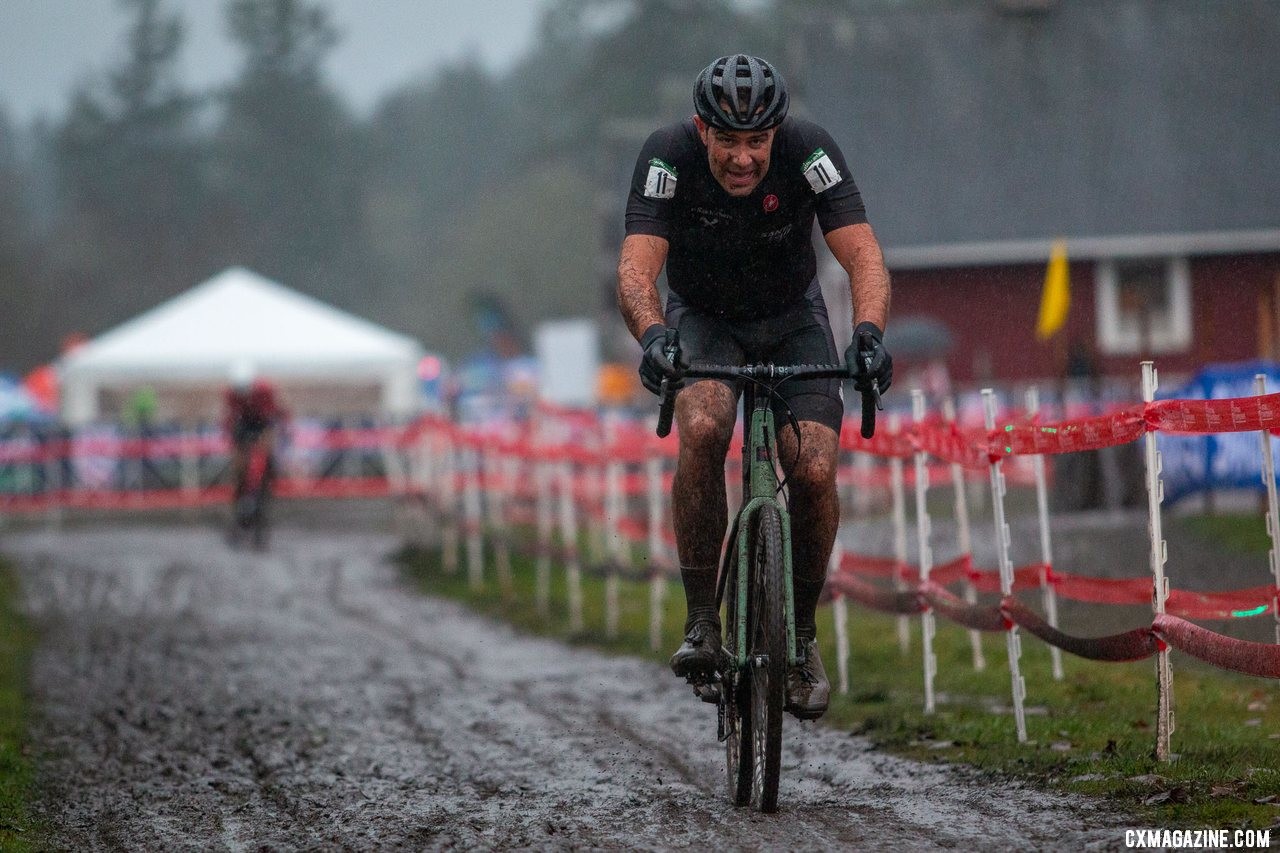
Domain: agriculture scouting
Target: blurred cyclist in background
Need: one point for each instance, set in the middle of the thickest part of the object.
(252, 416)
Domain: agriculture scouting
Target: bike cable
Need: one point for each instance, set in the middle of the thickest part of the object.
(771, 391)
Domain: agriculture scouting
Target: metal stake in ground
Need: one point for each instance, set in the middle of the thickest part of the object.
(1048, 595)
(474, 471)
(658, 559)
(1273, 510)
(1159, 555)
(928, 623)
(542, 474)
(1012, 640)
(840, 614)
(964, 538)
(569, 542)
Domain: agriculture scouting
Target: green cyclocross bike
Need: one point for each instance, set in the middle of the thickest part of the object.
(755, 581)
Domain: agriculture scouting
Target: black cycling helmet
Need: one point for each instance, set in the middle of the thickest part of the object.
(755, 97)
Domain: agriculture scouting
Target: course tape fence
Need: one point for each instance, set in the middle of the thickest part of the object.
(97, 469)
(594, 493)
(590, 493)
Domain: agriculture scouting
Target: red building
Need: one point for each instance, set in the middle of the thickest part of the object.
(1183, 300)
(1146, 133)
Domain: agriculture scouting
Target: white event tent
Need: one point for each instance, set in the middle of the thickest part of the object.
(325, 361)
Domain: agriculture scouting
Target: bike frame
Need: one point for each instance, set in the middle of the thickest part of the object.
(760, 488)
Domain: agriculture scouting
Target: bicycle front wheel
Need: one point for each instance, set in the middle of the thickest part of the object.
(767, 664)
(737, 697)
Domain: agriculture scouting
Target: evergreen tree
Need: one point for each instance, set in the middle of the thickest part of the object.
(128, 155)
(288, 153)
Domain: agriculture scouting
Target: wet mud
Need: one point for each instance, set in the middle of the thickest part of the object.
(191, 697)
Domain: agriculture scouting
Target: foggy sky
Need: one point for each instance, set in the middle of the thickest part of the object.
(47, 46)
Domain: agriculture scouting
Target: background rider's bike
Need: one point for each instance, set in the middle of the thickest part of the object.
(249, 513)
(755, 584)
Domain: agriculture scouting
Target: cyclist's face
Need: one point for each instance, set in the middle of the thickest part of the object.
(739, 159)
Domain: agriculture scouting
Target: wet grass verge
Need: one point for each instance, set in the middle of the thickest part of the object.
(1092, 733)
(17, 639)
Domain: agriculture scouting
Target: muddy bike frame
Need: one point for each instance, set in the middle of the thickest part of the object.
(748, 720)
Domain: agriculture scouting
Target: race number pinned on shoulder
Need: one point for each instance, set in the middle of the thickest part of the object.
(661, 182)
(821, 172)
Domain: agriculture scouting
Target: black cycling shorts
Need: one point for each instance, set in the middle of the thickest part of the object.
(799, 335)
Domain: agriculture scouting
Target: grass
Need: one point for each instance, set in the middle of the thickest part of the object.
(1092, 733)
(1238, 533)
(16, 774)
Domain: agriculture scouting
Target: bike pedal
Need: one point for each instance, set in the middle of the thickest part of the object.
(709, 693)
(706, 686)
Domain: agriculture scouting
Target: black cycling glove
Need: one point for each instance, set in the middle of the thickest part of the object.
(867, 359)
(654, 364)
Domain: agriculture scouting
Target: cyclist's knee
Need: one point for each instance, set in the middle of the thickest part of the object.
(702, 433)
(706, 416)
(813, 474)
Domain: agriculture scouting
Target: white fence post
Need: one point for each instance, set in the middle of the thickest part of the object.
(965, 539)
(449, 470)
(1013, 641)
(928, 623)
(1048, 595)
(497, 470)
(474, 518)
(615, 546)
(1159, 554)
(1273, 509)
(656, 501)
(569, 538)
(545, 515)
(840, 614)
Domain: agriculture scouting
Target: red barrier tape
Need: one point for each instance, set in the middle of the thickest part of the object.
(1095, 433)
(1250, 658)
(366, 487)
(1226, 604)
(876, 597)
(881, 567)
(1131, 645)
(979, 617)
(1239, 414)
(1261, 659)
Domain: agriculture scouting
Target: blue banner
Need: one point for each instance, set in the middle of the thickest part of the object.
(1201, 463)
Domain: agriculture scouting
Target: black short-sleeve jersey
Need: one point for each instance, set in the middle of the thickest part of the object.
(747, 257)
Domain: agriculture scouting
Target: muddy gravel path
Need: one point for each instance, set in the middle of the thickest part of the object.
(191, 697)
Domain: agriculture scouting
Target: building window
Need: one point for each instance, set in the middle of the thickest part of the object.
(1144, 306)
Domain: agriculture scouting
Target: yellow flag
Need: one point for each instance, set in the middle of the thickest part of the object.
(1056, 297)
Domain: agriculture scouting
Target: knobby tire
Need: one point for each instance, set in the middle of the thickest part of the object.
(767, 664)
(737, 744)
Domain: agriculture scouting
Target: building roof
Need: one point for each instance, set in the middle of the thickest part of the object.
(240, 316)
(968, 124)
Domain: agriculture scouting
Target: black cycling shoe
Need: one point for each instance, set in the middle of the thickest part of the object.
(699, 655)
(808, 690)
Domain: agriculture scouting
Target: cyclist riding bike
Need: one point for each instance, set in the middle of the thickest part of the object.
(726, 202)
(252, 415)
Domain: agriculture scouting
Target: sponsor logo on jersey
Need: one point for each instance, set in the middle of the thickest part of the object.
(661, 182)
(770, 203)
(777, 235)
(820, 171)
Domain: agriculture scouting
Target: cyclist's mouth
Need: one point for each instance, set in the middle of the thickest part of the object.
(740, 180)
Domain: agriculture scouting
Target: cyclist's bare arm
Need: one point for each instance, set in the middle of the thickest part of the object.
(638, 267)
(858, 252)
